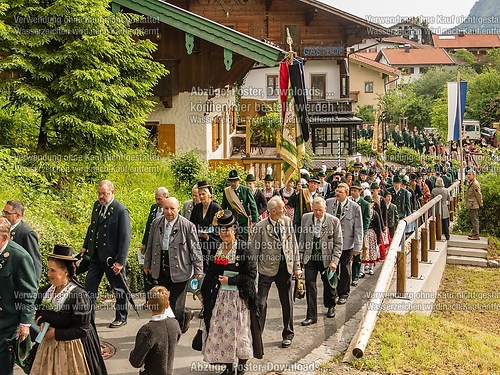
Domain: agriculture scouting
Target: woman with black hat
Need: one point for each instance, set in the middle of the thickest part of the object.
(203, 216)
(70, 344)
(232, 330)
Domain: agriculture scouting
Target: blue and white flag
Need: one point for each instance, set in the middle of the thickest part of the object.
(456, 94)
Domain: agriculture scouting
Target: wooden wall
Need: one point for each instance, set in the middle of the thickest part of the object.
(314, 27)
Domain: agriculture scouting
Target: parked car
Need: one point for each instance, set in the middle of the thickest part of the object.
(490, 135)
(471, 129)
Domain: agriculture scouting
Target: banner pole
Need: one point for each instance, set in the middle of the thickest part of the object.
(462, 178)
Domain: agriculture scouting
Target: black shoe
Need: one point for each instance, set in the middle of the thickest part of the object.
(286, 343)
(117, 323)
(200, 314)
(242, 367)
(188, 316)
(331, 312)
(342, 300)
(229, 370)
(308, 322)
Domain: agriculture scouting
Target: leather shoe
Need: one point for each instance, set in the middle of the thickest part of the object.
(308, 322)
(188, 316)
(342, 300)
(286, 343)
(117, 323)
(354, 283)
(331, 312)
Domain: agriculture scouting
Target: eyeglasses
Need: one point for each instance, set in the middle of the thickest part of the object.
(4, 213)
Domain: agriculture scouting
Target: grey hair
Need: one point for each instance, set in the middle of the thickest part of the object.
(320, 201)
(206, 190)
(4, 225)
(162, 190)
(273, 202)
(16, 206)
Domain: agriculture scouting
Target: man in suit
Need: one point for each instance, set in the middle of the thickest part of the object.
(274, 245)
(155, 211)
(173, 255)
(321, 245)
(308, 194)
(351, 222)
(189, 205)
(355, 191)
(474, 203)
(240, 201)
(400, 198)
(22, 234)
(17, 294)
(108, 236)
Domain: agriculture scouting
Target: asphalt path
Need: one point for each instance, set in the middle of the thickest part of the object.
(189, 361)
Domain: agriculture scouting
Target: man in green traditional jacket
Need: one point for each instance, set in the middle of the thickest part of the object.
(240, 200)
(17, 294)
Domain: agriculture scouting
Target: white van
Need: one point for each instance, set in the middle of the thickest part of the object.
(471, 129)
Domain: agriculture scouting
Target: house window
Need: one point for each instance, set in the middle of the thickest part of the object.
(216, 132)
(338, 141)
(408, 70)
(369, 86)
(272, 86)
(423, 69)
(318, 86)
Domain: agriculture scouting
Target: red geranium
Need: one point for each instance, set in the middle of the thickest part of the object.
(221, 261)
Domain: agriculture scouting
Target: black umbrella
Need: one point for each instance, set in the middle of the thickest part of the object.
(110, 262)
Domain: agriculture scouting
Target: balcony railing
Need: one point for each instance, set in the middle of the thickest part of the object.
(329, 107)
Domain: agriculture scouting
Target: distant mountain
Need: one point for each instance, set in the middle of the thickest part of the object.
(484, 18)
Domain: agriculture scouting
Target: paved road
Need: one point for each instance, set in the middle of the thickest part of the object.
(188, 361)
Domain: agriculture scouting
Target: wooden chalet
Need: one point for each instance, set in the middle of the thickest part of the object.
(321, 35)
(196, 102)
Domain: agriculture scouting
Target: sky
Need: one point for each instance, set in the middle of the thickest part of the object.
(441, 15)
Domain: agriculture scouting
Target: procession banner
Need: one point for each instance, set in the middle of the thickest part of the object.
(457, 95)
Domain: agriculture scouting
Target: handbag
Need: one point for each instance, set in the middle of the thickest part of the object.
(197, 343)
(24, 352)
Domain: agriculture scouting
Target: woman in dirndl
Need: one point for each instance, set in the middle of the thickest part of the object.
(232, 330)
(286, 192)
(372, 241)
(70, 345)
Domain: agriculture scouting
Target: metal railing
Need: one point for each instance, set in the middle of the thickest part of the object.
(396, 255)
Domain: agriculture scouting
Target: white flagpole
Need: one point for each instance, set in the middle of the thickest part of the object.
(462, 178)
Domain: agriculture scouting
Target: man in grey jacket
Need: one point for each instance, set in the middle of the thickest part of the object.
(351, 221)
(321, 244)
(173, 255)
(275, 248)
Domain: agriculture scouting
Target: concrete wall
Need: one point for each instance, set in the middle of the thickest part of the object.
(193, 121)
(360, 74)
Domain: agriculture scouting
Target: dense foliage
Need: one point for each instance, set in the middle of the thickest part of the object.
(488, 215)
(80, 70)
(424, 102)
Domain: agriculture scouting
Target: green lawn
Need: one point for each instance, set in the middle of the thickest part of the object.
(462, 336)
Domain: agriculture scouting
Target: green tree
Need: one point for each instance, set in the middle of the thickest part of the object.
(491, 112)
(492, 59)
(432, 83)
(439, 114)
(481, 91)
(366, 113)
(465, 56)
(396, 102)
(419, 112)
(81, 70)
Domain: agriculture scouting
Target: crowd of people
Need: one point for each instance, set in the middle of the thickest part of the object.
(337, 225)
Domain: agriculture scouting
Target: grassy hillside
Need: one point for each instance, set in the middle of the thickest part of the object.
(59, 192)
